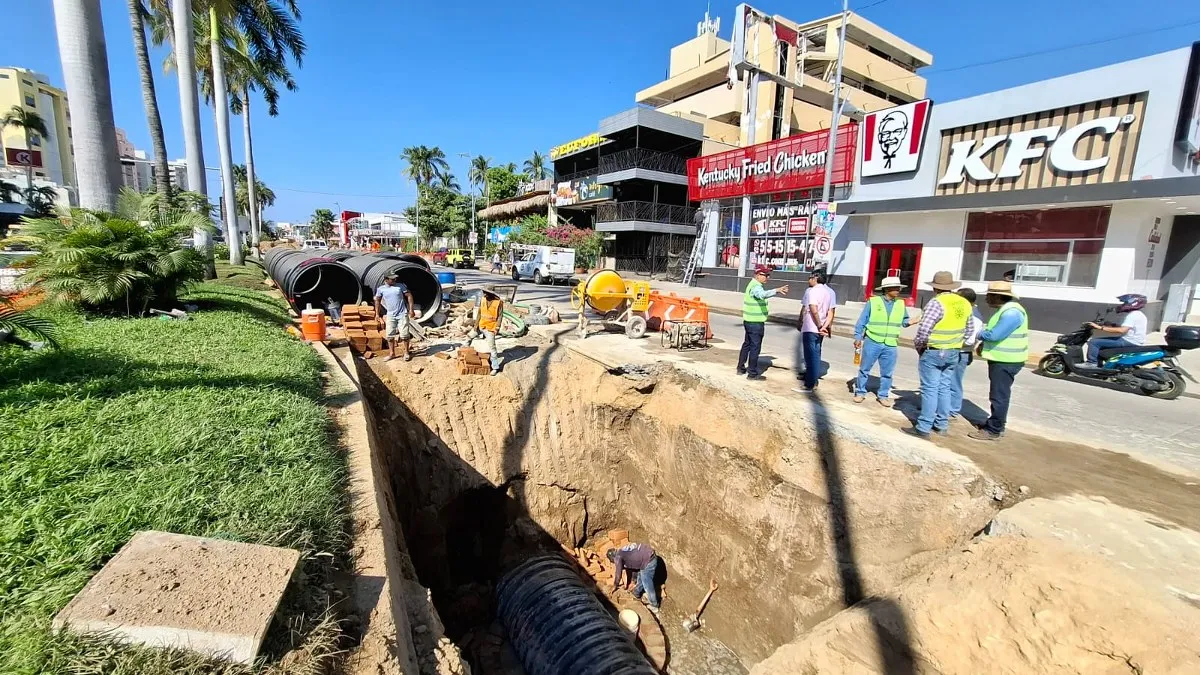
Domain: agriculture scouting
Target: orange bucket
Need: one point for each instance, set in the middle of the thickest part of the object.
(312, 325)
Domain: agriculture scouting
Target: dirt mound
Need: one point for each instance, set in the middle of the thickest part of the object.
(1004, 605)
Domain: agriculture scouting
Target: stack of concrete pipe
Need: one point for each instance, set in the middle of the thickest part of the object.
(412, 271)
(312, 278)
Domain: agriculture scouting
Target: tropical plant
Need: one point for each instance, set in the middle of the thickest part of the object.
(9, 192)
(103, 261)
(30, 123)
(511, 167)
(448, 182)
(322, 224)
(16, 321)
(85, 74)
(425, 165)
(502, 182)
(41, 199)
(477, 174)
(138, 14)
(444, 212)
(535, 166)
(264, 196)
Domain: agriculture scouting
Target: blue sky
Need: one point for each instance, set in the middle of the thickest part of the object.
(503, 78)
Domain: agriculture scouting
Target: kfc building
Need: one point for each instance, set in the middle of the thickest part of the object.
(763, 207)
(1083, 187)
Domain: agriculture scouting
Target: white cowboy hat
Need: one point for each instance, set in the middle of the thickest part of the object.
(889, 282)
(1001, 288)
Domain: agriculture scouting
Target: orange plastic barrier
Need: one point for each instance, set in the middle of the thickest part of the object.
(669, 307)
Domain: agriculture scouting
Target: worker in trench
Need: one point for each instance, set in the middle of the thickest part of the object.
(395, 298)
(487, 320)
(639, 559)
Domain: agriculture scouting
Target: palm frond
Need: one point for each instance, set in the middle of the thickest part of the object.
(17, 321)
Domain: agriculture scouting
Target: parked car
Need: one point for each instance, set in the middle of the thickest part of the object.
(439, 256)
(315, 245)
(460, 258)
(543, 264)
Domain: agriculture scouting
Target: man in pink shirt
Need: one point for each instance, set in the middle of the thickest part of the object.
(816, 320)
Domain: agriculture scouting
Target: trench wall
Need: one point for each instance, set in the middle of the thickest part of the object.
(786, 508)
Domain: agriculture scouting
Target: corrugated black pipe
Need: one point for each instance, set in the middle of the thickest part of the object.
(342, 255)
(424, 286)
(406, 257)
(558, 627)
(306, 277)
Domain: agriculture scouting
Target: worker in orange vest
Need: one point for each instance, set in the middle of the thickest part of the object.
(488, 319)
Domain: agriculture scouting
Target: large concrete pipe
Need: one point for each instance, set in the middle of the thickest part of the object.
(342, 255)
(425, 289)
(406, 257)
(306, 277)
(556, 624)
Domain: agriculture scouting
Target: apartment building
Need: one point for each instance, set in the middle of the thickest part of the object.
(138, 170)
(879, 70)
(51, 155)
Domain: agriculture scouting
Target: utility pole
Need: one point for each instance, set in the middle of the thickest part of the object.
(831, 148)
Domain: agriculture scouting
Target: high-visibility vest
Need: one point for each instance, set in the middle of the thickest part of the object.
(948, 332)
(754, 310)
(882, 326)
(1015, 347)
(489, 314)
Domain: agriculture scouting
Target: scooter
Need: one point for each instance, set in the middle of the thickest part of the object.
(1149, 369)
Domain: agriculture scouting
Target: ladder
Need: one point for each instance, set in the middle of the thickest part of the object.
(689, 272)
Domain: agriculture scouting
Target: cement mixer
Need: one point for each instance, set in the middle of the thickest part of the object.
(617, 302)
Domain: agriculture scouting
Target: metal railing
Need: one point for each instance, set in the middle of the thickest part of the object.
(646, 212)
(641, 158)
(563, 177)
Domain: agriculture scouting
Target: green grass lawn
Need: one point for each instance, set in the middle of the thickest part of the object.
(211, 427)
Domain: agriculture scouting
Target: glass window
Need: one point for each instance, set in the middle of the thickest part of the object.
(1053, 246)
(35, 140)
(30, 102)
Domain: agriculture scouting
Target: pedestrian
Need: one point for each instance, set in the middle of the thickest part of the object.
(945, 326)
(816, 322)
(1004, 344)
(487, 321)
(754, 320)
(496, 263)
(877, 334)
(639, 559)
(394, 298)
(966, 356)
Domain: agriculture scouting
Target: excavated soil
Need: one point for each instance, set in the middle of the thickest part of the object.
(796, 517)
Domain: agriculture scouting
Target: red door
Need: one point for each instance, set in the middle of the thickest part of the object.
(895, 260)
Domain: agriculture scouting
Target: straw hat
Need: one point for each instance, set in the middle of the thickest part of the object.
(1001, 288)
(889, 282)
(944, 281)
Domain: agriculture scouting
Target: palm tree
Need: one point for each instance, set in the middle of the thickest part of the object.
(265, 195)
(535, 166)
(14, 320)
(41, 200)
(84, 57)
(9, 192)
(162, 178)
(425, 164)
(478, 172)
(322, 224)
(447, 181)
(511, 167)
(29, 122)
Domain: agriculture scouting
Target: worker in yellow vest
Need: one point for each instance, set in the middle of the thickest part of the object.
(487, 320)
(945, 326)
(877, 335)
(1004, 344)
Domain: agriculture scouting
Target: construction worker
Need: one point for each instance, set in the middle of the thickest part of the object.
(642, 560)
(487, 320)
(877, 334)
(945, 326)
(754, 319)
(1004, 344)
(395, 298)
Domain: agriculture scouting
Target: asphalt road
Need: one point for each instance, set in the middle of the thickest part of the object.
(1164, 432)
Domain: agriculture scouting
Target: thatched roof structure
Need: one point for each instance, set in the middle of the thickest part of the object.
(516, 207)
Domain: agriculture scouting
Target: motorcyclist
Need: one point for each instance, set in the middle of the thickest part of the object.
(1131, 332)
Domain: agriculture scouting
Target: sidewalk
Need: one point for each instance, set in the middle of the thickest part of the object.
(786, 310)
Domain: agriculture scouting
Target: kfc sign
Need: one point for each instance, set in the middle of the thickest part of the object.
(892, 139)
(22, 157)
(794, 163)
(1087, 143)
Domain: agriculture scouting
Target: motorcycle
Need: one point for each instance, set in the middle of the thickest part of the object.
(1150, 369)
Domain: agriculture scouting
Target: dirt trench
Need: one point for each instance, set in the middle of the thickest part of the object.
(795, 516)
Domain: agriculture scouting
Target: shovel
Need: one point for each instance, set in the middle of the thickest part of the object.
(693, 622)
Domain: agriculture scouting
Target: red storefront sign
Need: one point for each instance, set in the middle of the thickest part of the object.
(22, 157)
(793, 163)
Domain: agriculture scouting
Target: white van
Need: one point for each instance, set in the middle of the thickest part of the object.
(543, 264)
(315, 245)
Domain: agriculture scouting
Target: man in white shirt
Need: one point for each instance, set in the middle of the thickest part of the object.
(1130, 333)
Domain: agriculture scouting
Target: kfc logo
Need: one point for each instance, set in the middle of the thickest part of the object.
(893, 138)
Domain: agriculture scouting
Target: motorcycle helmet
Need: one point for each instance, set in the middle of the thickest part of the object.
(1131, 302)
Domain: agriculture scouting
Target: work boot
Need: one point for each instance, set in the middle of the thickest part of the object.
(654, 610)
(983, 435)
(407, 356)
(859, 399)
(885, 402)
(912, 431)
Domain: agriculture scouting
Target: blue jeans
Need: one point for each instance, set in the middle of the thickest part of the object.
(751, 346)
(645, 582)
(811, 343)
(937, 368)
(873, 351)
(956, 396)
(1096, 344)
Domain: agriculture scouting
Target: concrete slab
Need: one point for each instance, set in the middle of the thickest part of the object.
(211, 596)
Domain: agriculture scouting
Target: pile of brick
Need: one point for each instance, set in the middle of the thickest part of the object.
(594, 560)
(471, 362)
(364, 330)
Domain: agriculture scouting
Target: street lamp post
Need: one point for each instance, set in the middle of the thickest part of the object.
(468, 157)
(837, 107)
